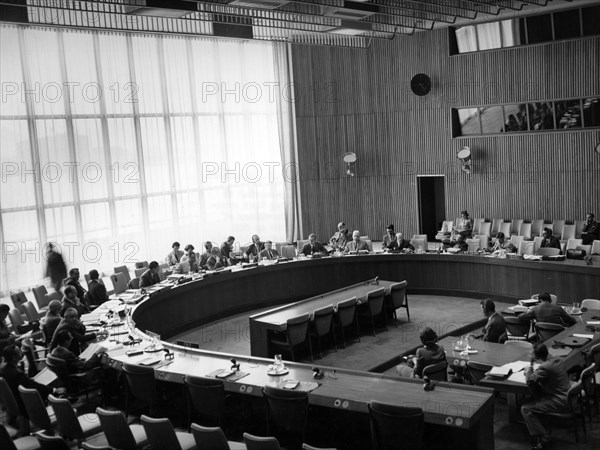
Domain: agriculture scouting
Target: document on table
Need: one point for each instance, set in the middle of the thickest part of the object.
(518, 368)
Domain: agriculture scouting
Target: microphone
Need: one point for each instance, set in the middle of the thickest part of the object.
(317, 375)
(376, 280)
(234, 364)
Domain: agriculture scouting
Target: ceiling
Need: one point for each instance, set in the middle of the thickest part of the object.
(316, 22)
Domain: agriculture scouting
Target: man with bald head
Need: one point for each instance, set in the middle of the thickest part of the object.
(341, 237)
(255, 248)
(356, 245)
(313, 247)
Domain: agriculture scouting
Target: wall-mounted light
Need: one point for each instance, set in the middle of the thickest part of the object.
(464, 155)
(349, 159)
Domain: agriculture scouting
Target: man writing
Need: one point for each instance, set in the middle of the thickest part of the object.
(312, 247)
(269, 252)
(150, 277)
(356, 245)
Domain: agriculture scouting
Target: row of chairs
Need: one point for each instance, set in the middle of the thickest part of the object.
(525, 247)
(345, 314)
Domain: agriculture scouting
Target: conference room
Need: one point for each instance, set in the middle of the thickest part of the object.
(402, 162)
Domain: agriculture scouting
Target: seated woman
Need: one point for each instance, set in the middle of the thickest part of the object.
(501, 244)
(431, 353)
(463, 227)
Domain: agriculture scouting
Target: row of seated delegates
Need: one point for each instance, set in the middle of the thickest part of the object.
(463, 227)
(430, 353)
(313, 247)
(76, 329)
(11, 369)
(395, 242)
(546, 311)
(591, 230)
(341, 237)
(63, 350)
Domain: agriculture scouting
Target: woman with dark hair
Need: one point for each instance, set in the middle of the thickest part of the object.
(175, 256)
(430, 353)
(190, 258)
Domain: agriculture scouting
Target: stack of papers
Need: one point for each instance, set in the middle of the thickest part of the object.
(518, 308)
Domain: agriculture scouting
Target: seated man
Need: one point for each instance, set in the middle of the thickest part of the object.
(547, 312)
(269, 252)
(70, 300)
(431, 353)
(150, 277)
(76, 329)
(388, 242)
(189, 261)
(175, 256)
(216, 260)
(459, 246)
(51, 320)
(549, 240)
(550, 384)
(63, 351)
(495, 328)
(403, 245)
(356, 245)
(463, 227)
(591, 230)
(340, 238)
(204, 256)
(501, 244)
(312, 247)
(227, 248)
(97, 293)
(254, 249)
(73, 280)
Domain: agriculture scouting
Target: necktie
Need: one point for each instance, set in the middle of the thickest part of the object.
(270, 255)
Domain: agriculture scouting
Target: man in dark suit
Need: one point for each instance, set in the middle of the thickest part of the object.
(73, 280)
(227, 248)
(549, 240)
(547, 312)
(255, 248)
(591, 230)
(64, 340)
(403, 244)
(150, 277)
(550, 385)
(269, 252)
(70, 300)
(495, 328)
(76, 330)
(97, 293)
(356, 245)
(51, 320)
(313, 247)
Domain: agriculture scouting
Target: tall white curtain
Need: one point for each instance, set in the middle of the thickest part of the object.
(115, 145)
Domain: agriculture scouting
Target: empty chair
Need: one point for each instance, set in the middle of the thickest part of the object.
(516, 240)
(525, 345)
(395, 426)
(51, 442)
(300, 244)
(484, 228)
(134, 283)
(18, 299)
(526, 248)
(537, 242)
(572, 244)
(139, 272)
(546, 330)
(118, 433)
(162, 435)
(17, 322)
(537, 226)
(557, 228)
(525, 230)
(374, 307)
(548, 251)
(477, 371)
(495, 227)
(579, 224)
(288, 251)
(398, 299)
(445, 231)
(206, 400)
(505, 228)
(39, 414)
(346, 316)
(568, 232)
(474, 245)
(295, 334)
(476, 224)
(43, 298)
(119, 282)
(595, 247)
(125, 271)
(590, 389)
(141, 264)
(261, 443)
(142, 385)
(22, 443)
(163, 271)
(31, 312)
(515, 226)
(323, 325)
(590, 303)
(517, 329)
(437, 371)
(10, 405)
(484, 240)
(287, 412)
(69, 424)
(213, 438)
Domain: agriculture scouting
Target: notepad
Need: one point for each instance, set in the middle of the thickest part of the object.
(500, 372)
(45, 377)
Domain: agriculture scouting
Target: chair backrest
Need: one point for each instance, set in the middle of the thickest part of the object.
(537, 226)
(297, 329)
(516, 240)
(29, 352)
(47, 298)
(261, 443)
(446, 226)
(38, 293)
(138, 272)
(50, 442)
(369, 243)
(495, 228)
(398, 294)
(396, 426)
(141, 264)
(15, 318)
(515, 225)
(590, 303)
(288, 251)
(6, 443)
(59, 367)
(553, 298)
(548, 251)
(8, 400)
(579, 224)
(525, 345)
(474, 245)
(477, 370)
(476, 223)
(67, 423)
(125, 271)
(287, 410)
(300, 244)
(375, 301)
(437, 371)
(419, 240)
(163, 271)
(568, 232)
(546, 330)
(18, 299)
(31, 312)
(573, 243)
(141, 381)
(587, 380)
(525, 230)
(505, 228)
(517, 328)
(117, 432)
(207, 397)
(36, 410)
(574, 398)
(526, 248)
(484, 240)
(88, 280)
(323, 319)
(595, 247)
(346, 311)
(557, 228)
(537, 241)
(484, 228)
(119, 282)
(134, 283)
(160, 432)
(209, 438)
